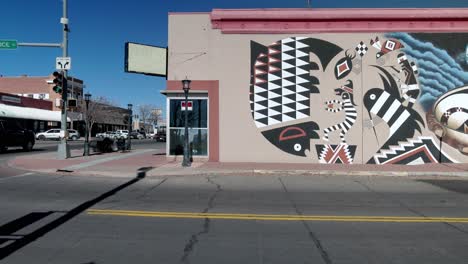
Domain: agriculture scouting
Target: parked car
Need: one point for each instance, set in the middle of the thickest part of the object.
(137, 135)
(160, 137)
(121, 134)
(55, 134)
(107, 134)
(13, 135)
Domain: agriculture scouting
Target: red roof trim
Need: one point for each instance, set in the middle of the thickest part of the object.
(278, 21)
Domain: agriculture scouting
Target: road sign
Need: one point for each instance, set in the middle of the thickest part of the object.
(63, 63)
(8, 44)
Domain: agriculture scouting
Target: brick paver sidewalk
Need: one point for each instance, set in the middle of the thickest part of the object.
(157, 164)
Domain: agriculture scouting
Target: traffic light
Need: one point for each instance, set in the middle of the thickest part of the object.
(59, 82)
(72, 103)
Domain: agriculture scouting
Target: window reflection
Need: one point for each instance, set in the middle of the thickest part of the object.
(198, 141)
(197, 117)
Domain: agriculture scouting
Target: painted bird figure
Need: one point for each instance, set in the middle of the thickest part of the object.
(403, 121)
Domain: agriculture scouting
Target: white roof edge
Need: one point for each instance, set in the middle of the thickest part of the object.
(10, 111)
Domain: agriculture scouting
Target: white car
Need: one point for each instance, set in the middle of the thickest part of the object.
(108, 134)
(121, 134)
(55, 134)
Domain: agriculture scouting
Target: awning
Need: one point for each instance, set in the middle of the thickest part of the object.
(30, 113)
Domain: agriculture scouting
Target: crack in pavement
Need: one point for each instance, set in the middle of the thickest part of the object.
(190, 245)
(414, 211)
(150, 189)
(312, 235)
(113, 203)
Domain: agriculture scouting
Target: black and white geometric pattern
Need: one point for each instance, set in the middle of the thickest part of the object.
(421, 150)
(281, 82)
(361, 49)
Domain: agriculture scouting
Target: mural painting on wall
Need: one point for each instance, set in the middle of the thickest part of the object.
(411, 93)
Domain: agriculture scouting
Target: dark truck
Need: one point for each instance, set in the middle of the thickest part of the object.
(160, 135)
(13, 135)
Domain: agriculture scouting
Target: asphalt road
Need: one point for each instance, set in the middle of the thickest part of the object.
(232, 219)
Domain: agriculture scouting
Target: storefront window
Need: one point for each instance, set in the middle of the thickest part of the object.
(198, 139)
(197, 123)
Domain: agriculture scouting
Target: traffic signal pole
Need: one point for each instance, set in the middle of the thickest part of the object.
(63, 150)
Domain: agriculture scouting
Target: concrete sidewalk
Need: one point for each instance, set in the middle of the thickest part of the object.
(155, 163)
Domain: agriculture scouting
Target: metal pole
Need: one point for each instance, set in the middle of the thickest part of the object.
(41, 45)
(129, 138)
(63, 148)
(186, 161)
(86, 146)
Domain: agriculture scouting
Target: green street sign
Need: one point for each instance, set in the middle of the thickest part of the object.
(8, 44)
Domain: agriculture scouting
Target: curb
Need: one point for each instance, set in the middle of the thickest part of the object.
(251, 172)
(262, 172)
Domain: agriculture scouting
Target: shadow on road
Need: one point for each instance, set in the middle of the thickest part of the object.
(459, 186)
(7, 230)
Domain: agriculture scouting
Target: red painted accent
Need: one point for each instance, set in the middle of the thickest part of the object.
(281, 21)
(347, 89)
(419, 149)
(301, 134)
(213, 94)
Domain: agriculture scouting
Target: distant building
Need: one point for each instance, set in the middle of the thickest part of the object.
(37, 89)
(33, 114)
(40, 87)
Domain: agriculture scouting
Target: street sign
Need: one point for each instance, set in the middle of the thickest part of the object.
(8, 44)
(189, 106)
(63, 63)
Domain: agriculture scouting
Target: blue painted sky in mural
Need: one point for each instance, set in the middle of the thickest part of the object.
(439, 72)
(99, 30)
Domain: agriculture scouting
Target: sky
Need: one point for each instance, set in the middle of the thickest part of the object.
(99, 30)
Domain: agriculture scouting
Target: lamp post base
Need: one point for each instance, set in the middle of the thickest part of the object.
(63, 151)
(186, 163)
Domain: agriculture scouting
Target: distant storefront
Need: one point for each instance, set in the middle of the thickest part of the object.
(333, 86)
(31, 113)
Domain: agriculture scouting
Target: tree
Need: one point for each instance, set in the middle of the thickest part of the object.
(98, 110)
(149, 114)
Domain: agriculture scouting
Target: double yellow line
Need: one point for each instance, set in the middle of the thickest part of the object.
(266, 217)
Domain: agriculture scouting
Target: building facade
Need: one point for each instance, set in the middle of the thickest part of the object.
(352, 86)
(33, 114)
(41, 88)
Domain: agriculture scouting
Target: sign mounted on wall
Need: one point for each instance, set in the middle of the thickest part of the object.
(145, 59)
(189, 105)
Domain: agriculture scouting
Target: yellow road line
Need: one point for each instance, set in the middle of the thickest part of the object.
(266, 217)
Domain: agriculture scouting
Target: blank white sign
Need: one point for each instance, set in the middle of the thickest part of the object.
(145, 59)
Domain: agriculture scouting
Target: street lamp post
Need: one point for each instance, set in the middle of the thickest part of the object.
(86, 145)
(129, 138)
(186, 161)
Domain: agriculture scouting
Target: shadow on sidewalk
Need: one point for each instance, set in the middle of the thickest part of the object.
(8, 229)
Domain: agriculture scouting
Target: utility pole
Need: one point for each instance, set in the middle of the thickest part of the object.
(63, 148)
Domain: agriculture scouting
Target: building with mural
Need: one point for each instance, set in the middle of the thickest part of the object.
(362, 86)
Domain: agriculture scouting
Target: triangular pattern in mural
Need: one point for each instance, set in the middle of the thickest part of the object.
(282, 83)
(416, 151)
(336, 154)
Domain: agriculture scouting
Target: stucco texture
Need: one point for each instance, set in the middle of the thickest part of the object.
(400, 87)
